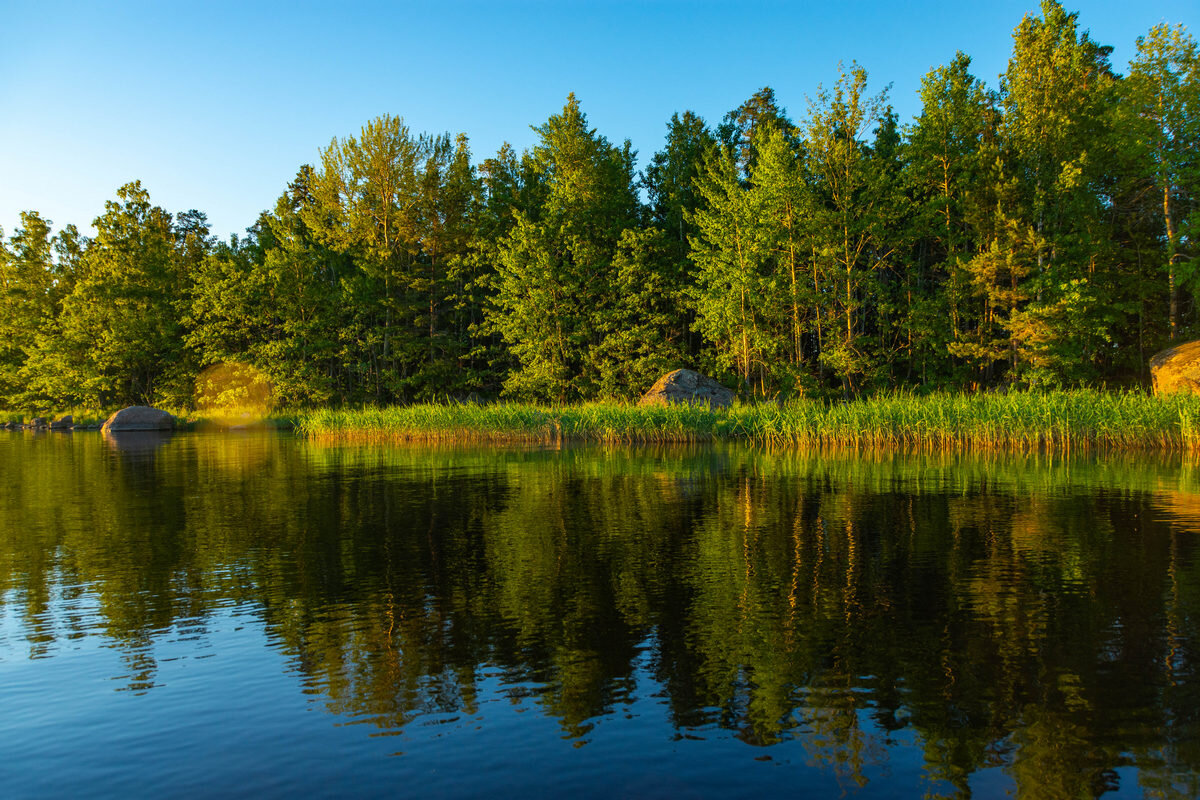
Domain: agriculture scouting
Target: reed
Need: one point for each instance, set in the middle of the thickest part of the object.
(1057, 421)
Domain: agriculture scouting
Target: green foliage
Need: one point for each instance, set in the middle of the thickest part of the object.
(1039, 234)
(944, 168)
(734, 287)
(1157, 110)
(398, 207)
(851, 242)
(642, 336)
(743, 129)
(557, 269)
(117, 337)
(28, 302)
(1054, 94)
(670, 178)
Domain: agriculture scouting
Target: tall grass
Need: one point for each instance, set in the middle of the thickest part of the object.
(515, 422)
(1059, 421)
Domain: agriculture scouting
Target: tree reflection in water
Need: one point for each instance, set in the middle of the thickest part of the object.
(1035, 615)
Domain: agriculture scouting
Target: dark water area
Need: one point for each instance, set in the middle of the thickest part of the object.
(257, 615)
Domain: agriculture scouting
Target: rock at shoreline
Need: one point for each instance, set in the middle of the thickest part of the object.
(1176, 369)
(687, 386)
(63, 423)
(139, 418)
(39, 422)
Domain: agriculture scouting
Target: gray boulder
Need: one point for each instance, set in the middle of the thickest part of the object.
(687, 386)
(38, 423)
(63, 423)
(1176, 369)
(139, 418)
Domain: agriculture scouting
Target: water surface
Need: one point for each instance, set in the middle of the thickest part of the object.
(253, 614)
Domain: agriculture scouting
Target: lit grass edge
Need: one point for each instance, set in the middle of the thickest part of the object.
(1053, 421)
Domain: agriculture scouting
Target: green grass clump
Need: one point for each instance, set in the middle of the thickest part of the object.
(514, 422)
(1059, 421)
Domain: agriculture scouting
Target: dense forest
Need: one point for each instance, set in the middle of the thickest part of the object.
(1038, 233)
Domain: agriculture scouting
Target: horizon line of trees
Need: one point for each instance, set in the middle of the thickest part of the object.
(1040, 233)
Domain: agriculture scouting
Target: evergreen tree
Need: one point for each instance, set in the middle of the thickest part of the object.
(743, 127)
(671, 175)
(277, 300)
(736, 290)
(27, 303)
(670, 181)
(641, 335)
(509, 185)
(556, 275)
(944, 169)
(365, 205)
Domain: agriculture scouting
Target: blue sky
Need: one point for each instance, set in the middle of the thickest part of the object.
(215, 105)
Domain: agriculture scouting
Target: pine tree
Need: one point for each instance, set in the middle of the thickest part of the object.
(555, 277)
(670, 181)
(27, 304)
(736, 289)
(945, 170)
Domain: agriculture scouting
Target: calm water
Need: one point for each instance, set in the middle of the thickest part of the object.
(258, 615)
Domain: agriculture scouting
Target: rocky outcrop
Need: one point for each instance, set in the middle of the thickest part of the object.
(1176, 369)
(139, 418)
(687, 386)
(39, 422)
(63, 423)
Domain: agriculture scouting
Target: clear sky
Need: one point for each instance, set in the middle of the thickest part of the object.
(214, 105)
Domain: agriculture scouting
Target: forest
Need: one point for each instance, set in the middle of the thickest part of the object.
(1041, 233)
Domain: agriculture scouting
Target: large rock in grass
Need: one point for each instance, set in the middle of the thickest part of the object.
(687, 386)
(139, 418)
(1176, 369)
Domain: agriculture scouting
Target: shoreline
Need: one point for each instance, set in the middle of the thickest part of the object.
(1060, 422)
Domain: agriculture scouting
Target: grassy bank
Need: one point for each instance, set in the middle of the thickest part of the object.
(1062, 421)
(185, 419)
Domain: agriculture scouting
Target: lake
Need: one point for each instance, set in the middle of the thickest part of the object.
(254, 614)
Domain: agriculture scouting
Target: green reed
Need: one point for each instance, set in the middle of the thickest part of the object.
(1058, 421)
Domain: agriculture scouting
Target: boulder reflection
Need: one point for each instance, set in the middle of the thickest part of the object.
(1039, 616)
